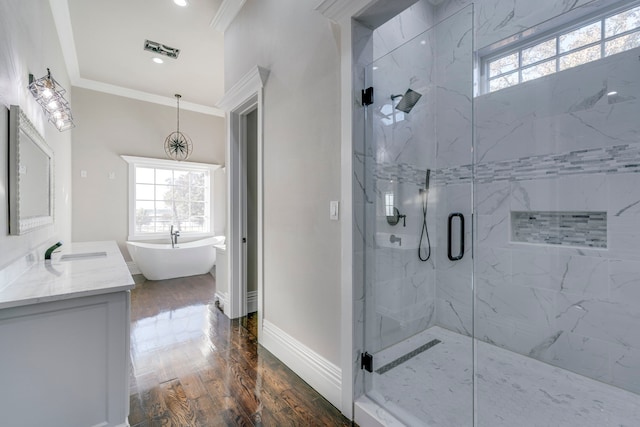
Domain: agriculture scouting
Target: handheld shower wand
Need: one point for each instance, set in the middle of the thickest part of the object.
(425, 231)
(426, 181)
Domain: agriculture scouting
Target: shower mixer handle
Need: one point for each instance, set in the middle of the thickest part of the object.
(395, 218)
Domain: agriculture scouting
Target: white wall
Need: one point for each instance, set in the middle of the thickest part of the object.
(109, 126)
(220, 205)
(301, 164)
(29, 44)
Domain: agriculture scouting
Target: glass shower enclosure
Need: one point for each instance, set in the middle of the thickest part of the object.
(501, 209)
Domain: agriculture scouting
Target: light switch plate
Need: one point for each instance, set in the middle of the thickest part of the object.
(334, 210)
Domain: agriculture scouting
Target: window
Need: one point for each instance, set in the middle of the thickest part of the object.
(163, 193)
(585, 42)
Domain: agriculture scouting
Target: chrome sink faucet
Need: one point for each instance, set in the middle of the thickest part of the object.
(174, 236)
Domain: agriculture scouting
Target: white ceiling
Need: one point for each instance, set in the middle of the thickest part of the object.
(102, 42)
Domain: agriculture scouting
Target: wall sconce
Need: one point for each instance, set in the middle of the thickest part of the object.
(50, 95)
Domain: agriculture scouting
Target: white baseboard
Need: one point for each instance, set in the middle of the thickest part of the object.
(322, 375)
(223, 300)
(252, 301)
(133, 268)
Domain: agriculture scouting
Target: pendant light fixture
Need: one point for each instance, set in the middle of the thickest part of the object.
(178, 146)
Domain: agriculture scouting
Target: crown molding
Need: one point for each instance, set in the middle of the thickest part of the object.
(244, 89)
(337, 10)
(145, 96)
(227, 12)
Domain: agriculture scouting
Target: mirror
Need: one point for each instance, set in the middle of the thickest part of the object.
(30, 176)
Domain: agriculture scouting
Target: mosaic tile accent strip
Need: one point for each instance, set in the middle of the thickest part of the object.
(581, 229)
(615, 159)
(403, 173)
(407, 356)
(455, 175)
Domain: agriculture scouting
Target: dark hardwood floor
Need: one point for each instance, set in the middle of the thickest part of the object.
(192, 366)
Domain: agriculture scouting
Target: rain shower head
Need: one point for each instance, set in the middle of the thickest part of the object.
(408, 101)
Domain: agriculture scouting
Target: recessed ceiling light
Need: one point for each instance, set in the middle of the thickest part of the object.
(157, 60)
(182, 3)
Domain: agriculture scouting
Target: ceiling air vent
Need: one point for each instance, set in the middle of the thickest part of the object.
(161, 49)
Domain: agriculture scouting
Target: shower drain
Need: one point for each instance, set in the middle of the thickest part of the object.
(407, 356)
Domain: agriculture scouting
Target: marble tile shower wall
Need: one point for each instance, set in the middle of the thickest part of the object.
(497, 20)
(454, 136)
(402, 28)
(560, 144)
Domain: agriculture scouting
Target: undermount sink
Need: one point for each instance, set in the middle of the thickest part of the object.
(85, 255)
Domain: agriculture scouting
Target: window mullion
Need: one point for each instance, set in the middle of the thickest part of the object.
(520, 66)
(602, 37)
(557, 53)
(622, 34)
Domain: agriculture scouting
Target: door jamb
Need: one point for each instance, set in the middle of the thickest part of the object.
(244, 97)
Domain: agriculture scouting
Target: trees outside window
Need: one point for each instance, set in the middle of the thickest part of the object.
(585, 42)
(165, 193)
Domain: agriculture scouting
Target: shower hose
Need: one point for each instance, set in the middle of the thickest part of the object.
(425, 231)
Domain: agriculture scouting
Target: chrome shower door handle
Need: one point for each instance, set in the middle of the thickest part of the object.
(449, 234)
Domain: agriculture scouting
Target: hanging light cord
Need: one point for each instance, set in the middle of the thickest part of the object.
(178, 112)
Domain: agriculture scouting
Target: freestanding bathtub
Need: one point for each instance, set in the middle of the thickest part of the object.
(161, 261)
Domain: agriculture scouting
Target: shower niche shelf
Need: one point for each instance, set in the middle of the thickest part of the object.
(585, 229)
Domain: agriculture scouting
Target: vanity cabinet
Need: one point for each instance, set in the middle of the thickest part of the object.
(64, 357)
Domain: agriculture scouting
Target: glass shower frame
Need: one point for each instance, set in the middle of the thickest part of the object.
(544, 158)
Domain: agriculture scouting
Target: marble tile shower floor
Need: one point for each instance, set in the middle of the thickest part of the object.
(434, 389)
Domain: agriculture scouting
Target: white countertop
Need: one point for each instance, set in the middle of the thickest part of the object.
(59, 280)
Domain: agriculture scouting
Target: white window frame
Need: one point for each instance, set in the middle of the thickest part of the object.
(135, 162)
(556, 33)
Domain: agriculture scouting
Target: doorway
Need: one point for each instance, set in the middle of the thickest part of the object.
(250, 219)
(243, 106)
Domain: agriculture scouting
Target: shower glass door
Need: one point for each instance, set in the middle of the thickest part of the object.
(417, 215)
